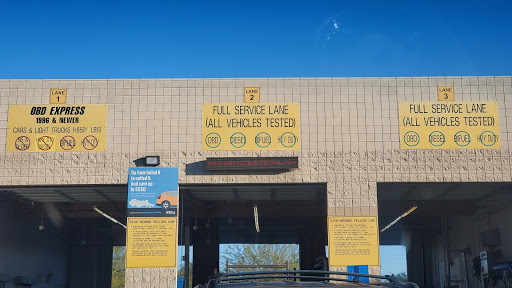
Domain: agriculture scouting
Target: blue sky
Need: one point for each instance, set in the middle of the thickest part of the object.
(392, 259)
(181, 39)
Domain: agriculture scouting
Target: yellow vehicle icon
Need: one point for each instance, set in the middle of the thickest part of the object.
(167, 199)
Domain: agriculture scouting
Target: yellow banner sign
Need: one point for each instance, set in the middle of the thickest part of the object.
(251, 126)
(60, 128)
(151, 242)
(449, 125)
(353, 241)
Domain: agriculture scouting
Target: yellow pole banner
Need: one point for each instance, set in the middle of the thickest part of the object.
(151, 242)
(353, 241)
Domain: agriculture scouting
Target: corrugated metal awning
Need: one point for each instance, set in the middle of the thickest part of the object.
(75, 193)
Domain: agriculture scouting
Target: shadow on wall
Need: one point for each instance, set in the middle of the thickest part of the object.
(199, 168)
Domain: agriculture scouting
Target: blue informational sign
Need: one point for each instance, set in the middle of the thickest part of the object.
(361, 269)
(153, 192)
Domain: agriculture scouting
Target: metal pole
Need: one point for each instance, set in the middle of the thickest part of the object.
(447, 253)
(466, 266)
(187, 256)
(287, 279)
(424, 261)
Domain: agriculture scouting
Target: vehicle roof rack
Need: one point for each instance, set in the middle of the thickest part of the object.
(304, 274)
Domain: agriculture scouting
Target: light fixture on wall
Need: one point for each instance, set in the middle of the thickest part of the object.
(41, 227)
(152, 160)
(256, 219)
(195, 227)
(400, 217)
(108, 216)
(83, 235)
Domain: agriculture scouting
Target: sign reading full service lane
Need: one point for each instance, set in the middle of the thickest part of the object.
(57, 128)
(449, 125)
(251, 126)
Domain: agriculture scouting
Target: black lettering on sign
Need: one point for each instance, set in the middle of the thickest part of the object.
(221, 110)
(19, 130)
(68, 120)
(249, 109)
(37, 110)
(476, 108)
(212, 123)
(57, 130)
(417, 108)
(446, 89)
(278, 109)
(447, 108)
(42, 120)
(441, 121)
(73, 110)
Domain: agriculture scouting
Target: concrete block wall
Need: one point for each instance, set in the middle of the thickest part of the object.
(349, 133)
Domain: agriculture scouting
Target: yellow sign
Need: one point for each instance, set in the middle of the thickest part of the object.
(353, 241)
(449, 125)
(261, 126)
(445, 93)
(60, 128)
(58, 96)
(151, 242)
(252, 94)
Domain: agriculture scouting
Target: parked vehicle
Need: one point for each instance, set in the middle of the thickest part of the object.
(303, 279)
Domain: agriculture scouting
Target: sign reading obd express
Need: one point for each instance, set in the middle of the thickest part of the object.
(252, 163)
(57, 128)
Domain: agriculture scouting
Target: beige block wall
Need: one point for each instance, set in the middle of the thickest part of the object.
(349, 134)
